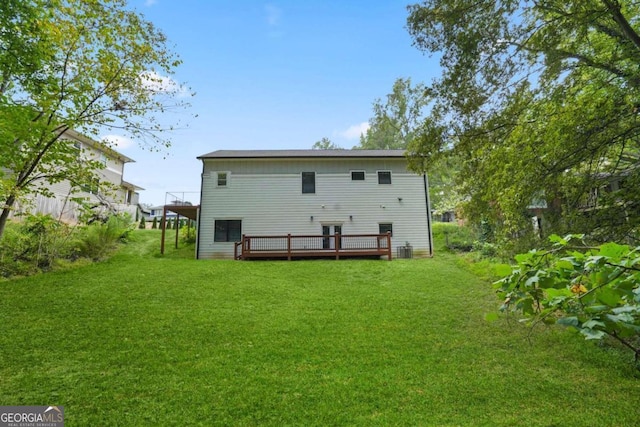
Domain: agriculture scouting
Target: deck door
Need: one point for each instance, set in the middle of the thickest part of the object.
(330, 230)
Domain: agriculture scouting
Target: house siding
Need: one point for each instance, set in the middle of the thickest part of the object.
(266, 195)
(61, 206)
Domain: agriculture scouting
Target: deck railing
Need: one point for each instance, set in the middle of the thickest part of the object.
(335, 245)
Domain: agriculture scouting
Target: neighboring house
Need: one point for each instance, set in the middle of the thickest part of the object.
(121, 197)
(159, 211)
(310, 192)
(156, 212)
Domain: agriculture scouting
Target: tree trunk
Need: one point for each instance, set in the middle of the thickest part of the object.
(4, 216)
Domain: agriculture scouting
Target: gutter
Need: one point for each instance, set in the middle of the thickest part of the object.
(199, 212)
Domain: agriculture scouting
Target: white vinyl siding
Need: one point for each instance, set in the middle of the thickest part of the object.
(273, 204)
(61, 204)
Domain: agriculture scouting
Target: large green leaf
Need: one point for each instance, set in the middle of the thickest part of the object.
(608, 296)
(613, 250)
(568, 321)
(593, 334)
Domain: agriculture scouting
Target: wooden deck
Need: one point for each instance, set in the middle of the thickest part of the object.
(318, 246)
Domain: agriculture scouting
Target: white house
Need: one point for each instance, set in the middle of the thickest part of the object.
(121, 196)
(311, 192)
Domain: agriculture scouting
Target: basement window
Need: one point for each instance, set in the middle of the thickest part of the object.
(385, 228)
(228, 230)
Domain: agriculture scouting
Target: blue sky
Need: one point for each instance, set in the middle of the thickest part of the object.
(273, 75)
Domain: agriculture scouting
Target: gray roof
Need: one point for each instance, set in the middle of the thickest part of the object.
(280, 154)
(130, 185)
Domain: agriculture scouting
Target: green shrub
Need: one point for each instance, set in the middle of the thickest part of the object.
(143, 224)
(485, 249)
(188, 234)
(154, 225)
(35, 244)
(595, 291)
(100, 239)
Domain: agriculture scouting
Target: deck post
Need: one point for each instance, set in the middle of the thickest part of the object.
(336, 243)
(164, 228)
(289, 247)
(177, 229)
(389, 245)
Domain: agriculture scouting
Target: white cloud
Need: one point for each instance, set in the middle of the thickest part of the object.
(157, 83)
(150, 3)
(118, 141)
(274, 14)
(354, 132)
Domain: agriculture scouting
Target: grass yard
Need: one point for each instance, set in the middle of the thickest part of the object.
(147, 340)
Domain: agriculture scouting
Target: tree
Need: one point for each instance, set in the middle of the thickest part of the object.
(395, 122)
(154, 224)
(76, 65)
(591, 290)
(539, 99)
(325, 144)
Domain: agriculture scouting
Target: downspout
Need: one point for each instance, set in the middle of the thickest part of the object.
(199, 212)
(428, 202)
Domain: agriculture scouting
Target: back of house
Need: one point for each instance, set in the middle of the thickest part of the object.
(310, 192)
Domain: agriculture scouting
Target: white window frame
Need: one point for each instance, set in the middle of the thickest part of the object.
(228, 176)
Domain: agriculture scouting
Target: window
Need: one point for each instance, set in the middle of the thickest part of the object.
(384, 177)
(92, 187)
(228, 230)
(222, 179)
(357, 175)
(308, 182)
(385, 228)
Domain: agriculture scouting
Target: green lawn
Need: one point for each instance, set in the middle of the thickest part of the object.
(149, 340)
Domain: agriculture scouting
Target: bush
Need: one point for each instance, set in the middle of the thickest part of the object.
(154, 224)
(99, 240)
(595, 291)
(188, 234)
(143, 224)
(485, 249)
(34, 245)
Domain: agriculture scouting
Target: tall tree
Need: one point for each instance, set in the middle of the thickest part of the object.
(325, 144)
(85, 65)
(396, 120)
(540, 101)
